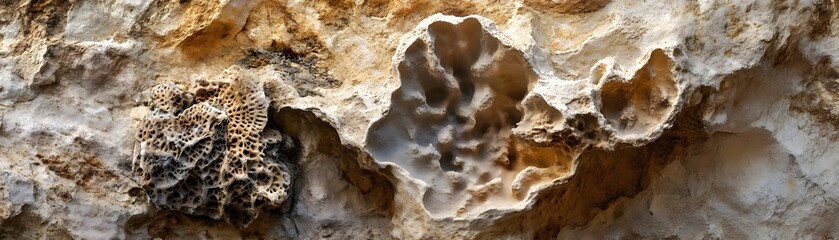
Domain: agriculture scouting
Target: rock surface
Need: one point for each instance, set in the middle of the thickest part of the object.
(422, 119)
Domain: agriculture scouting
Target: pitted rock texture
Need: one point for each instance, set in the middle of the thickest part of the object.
(450, 122)
(639, 105)
(467, 126)
(422, 119)
(207, 151)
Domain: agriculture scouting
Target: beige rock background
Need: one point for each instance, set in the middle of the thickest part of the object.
(427, 119)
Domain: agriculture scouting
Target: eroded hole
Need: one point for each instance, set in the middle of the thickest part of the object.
(448, 163)
(635, 107)
(463, 153)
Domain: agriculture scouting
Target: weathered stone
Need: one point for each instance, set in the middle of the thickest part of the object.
(419, 119)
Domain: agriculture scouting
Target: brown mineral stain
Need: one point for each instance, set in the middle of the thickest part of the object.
(85, 170)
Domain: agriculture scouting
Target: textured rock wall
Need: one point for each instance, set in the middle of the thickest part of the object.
(376, 119)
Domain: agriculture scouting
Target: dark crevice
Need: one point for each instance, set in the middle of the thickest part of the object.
(369, 182)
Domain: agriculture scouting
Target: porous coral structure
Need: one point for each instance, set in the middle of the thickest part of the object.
(207, 151)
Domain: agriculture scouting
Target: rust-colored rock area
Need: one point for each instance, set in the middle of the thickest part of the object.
(371, 119)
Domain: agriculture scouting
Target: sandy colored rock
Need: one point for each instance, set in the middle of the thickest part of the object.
(478, 119)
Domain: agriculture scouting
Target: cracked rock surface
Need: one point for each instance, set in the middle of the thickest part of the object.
(528, 119)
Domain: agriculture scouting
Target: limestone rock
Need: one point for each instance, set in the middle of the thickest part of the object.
(423, 119)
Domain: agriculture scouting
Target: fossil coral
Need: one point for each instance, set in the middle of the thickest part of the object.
(207, 152)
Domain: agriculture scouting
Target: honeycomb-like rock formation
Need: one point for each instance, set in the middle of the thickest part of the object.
(207, 151)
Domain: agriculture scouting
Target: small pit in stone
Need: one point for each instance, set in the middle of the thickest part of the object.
(635, 107)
